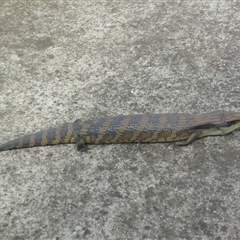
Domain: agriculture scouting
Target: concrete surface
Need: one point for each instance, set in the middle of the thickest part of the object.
(63, 60)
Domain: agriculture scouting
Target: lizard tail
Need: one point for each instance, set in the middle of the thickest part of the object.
(62, 134)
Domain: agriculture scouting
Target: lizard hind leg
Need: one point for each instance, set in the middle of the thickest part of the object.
(79, 143)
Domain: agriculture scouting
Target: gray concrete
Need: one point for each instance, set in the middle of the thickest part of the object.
(63, 60)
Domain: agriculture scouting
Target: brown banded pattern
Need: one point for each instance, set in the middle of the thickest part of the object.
(133, 128)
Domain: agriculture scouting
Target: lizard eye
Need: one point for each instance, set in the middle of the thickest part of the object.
(228, 124)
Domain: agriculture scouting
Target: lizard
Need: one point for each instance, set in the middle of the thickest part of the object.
(182, 128)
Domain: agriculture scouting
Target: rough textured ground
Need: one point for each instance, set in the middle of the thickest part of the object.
(63, 60)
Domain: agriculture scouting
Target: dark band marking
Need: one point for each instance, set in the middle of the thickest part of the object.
(103, 129)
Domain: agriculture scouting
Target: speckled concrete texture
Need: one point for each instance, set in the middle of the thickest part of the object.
(64, 60)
